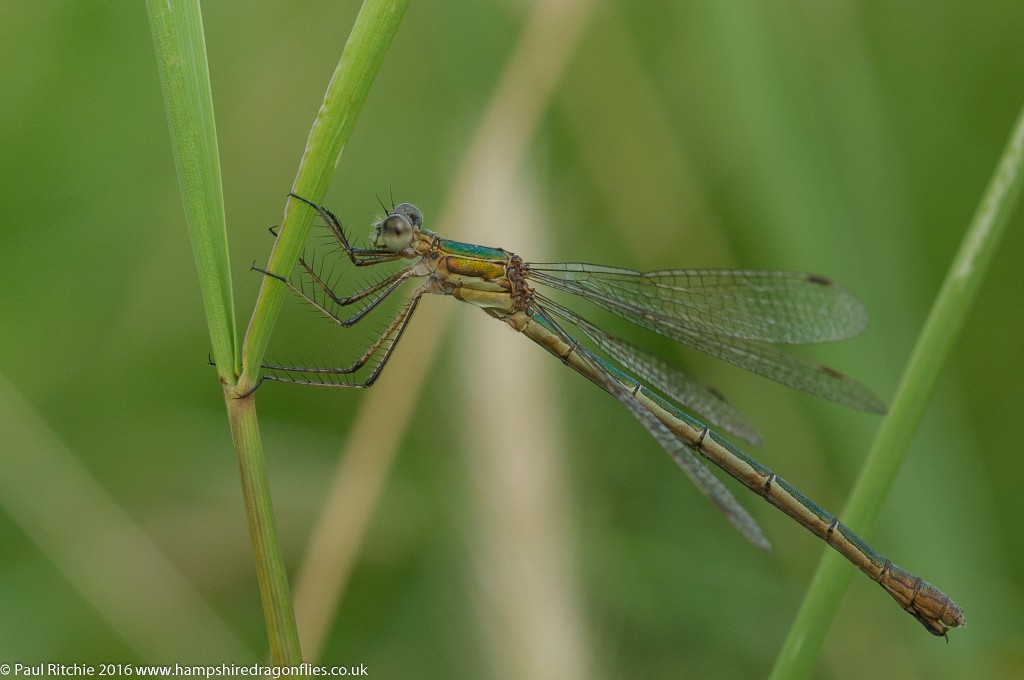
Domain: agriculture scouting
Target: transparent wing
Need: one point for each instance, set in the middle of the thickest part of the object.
(668, 379)
(587, 281)
(694, 468)
(775, 307)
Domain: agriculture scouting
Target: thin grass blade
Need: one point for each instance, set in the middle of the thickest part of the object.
(941, 329)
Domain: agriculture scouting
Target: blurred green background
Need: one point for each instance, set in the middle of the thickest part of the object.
(849, 139)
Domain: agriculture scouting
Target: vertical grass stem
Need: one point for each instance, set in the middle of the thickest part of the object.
(941, 329)
(184, 75)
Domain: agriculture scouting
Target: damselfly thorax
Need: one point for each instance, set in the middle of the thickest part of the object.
(738, 316)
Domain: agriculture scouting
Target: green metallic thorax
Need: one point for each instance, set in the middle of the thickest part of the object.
(482, 276)
(473, 251)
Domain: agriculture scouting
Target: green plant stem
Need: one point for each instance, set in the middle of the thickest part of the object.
(371, 34)
(278, 613)
(177, 29)
(184, 75)
(946, 318)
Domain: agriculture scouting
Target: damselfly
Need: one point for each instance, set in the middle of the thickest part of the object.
(734, 315)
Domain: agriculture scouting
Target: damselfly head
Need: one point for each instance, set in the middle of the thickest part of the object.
(396, 231)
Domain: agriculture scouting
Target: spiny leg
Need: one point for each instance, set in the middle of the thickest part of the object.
(360, 257)
(389, 285)
(402, 274)
(388, 340)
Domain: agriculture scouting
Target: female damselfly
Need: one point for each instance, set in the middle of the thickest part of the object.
(733, 315)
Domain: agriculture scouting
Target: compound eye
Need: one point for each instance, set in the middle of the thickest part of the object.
(396, 232)
(410, 211)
